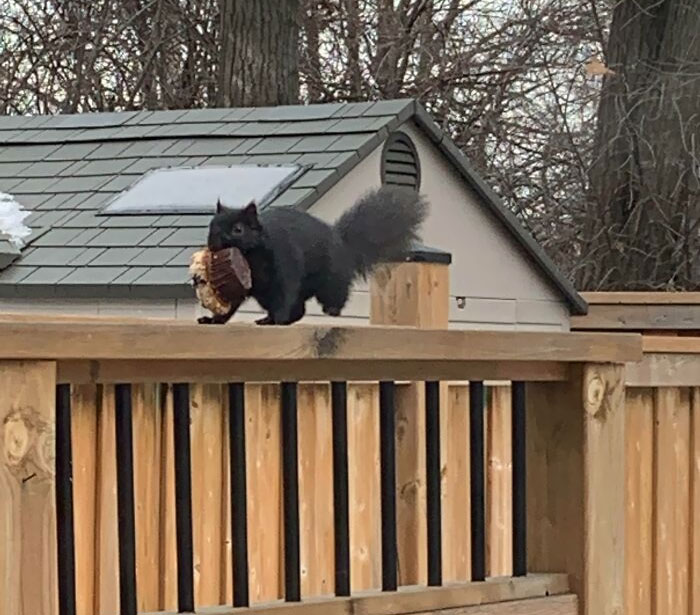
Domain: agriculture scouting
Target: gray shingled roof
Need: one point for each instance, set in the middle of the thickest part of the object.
(65, 168)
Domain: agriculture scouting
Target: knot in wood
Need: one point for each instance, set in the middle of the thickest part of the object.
(17, 438)
(29, 443)
(382, 275)
(594, 395)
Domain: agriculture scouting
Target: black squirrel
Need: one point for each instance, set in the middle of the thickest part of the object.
(294, 256)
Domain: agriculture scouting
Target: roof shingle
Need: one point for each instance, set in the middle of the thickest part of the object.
(65, 168)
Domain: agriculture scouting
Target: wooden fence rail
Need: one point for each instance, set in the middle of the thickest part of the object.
(149, 415)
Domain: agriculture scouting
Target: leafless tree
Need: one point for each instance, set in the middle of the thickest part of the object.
(642, 229)
(259, 58)
(607, 185)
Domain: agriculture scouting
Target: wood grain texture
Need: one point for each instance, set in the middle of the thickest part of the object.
(85, 464)
(639, 317)
(166, 340)
(694, 573)
(155, 371)
(363, 486)
(417, 599)
(604, 498)
(207, 435)
(456, 511)
(499, 481)
(671, 344)
(555, 467)
(554, 605)
(411, 512)
(264, 466)
(671, 500)
(107, 543)
(167, 551)
(576, 483)
(316, 490)
(411, 294)
(28, 581)
(639, 453)
(147, 425)
(664, 370)
(500, 593)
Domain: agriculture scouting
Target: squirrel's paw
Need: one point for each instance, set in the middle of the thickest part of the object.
(331, 311)
(267, 320)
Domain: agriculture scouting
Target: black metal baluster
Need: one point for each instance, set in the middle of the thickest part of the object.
(519, 480)
(65, 533)
(387, 447)
(341, 512)
(183, 497)
(476, 455)
(239, 500)
(125, 499)
(432, 467)
(290, 470)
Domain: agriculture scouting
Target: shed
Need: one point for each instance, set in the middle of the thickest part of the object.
(81, 258)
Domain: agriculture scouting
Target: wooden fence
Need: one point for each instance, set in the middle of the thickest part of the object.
(574, 457)
(662, 449)
(152, 514)
(94, 492)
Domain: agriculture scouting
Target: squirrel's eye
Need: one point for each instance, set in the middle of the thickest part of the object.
(237, 229)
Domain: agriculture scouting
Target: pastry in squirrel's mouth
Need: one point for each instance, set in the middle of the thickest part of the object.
(221, 279)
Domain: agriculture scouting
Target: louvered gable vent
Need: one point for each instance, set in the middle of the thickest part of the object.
(400, 164)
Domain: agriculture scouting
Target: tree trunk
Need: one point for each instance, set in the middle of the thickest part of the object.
(259, 53)
(643, 220)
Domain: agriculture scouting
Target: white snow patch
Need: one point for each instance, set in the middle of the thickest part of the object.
(12, 216)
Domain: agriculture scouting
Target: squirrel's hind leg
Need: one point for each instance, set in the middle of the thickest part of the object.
(333, 295)
(284, 317)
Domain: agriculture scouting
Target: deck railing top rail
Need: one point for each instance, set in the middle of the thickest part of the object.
(112, 351)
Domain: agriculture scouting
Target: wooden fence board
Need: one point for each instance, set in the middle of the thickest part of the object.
(694, 575)
(168, 553)
(207, 430)
(456, 518)
(107, 544)
(363, 478)
(27, 507)
(147, 426)
(411, 484)
(639, 504)
(316, 490)
(499, 490)
(671, 500)
(264, 465)
(604, 499)
(85, 463)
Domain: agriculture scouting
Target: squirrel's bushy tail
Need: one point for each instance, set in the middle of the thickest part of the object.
(382, 226)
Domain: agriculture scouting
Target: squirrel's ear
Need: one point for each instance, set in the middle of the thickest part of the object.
(250, 212)
(219, 207)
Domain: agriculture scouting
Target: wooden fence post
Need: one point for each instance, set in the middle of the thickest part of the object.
(415, 294)
(28, 580)
(576, 483)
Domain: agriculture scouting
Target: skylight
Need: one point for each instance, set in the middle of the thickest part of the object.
(188, 190)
